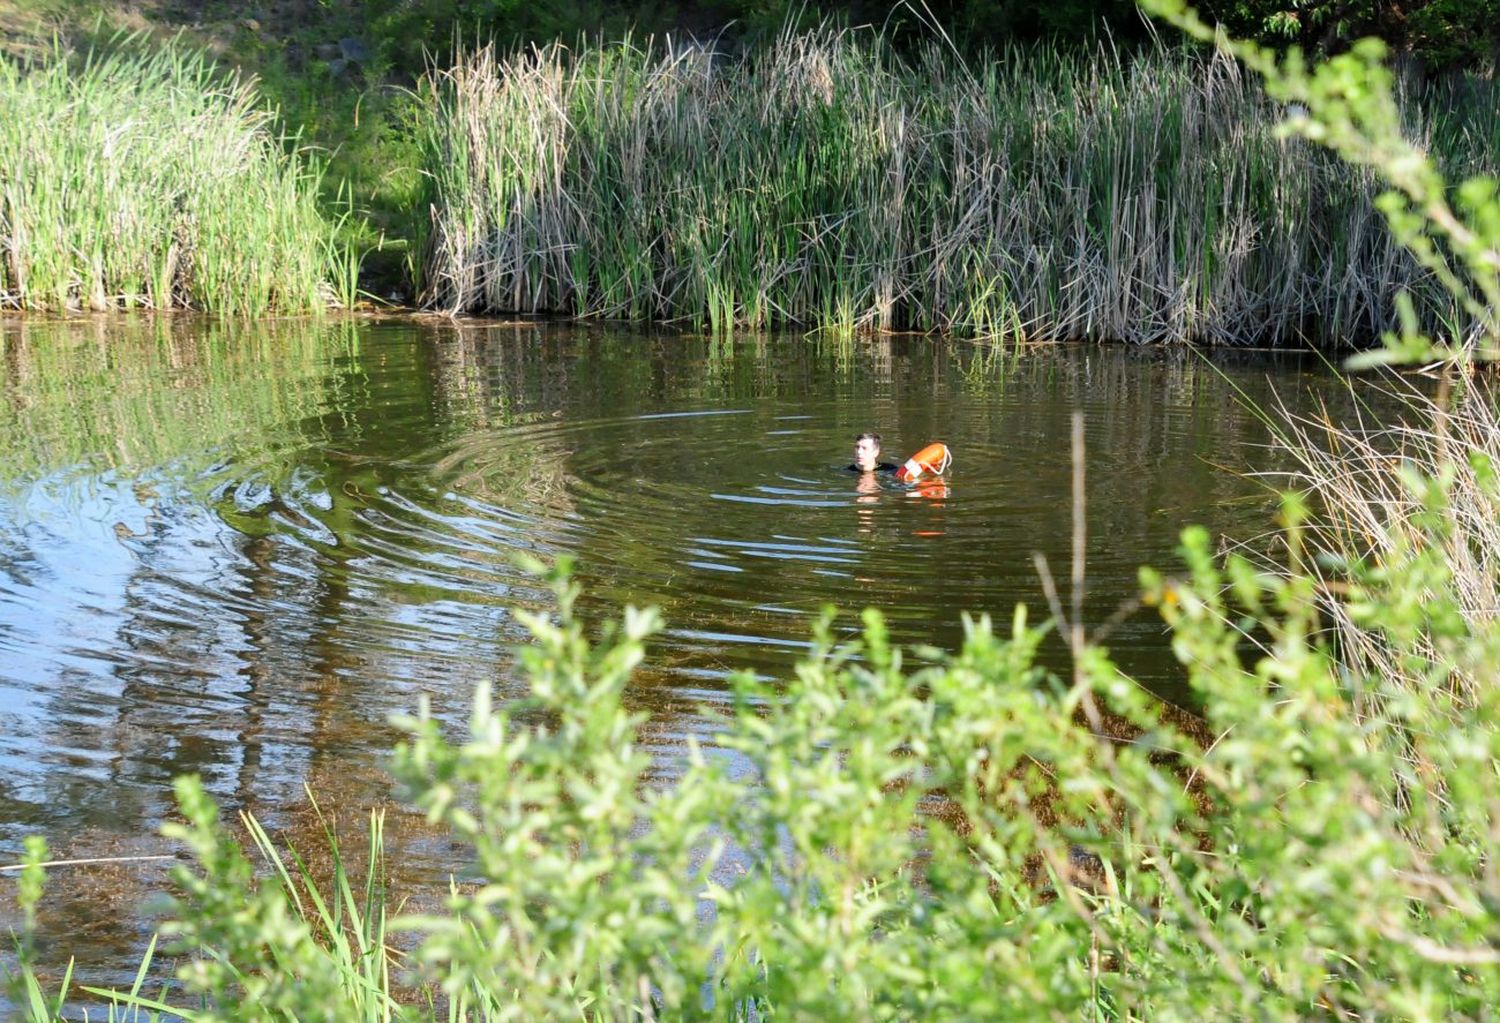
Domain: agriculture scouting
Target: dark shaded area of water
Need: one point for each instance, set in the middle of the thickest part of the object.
(237, 551)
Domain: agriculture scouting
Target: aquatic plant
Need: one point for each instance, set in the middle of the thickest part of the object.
(148, 178)
(1351, 106)
(828, 181)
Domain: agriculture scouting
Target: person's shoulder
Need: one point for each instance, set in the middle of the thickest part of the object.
(887, 467)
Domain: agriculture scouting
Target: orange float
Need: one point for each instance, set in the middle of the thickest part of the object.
(933, 460)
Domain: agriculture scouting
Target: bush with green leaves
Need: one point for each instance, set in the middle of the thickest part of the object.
(1441, 33)
(906, 842)
(956, 837)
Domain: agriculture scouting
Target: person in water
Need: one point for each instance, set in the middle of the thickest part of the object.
(867, 455)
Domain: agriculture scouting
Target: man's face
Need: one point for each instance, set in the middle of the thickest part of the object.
(866, 453)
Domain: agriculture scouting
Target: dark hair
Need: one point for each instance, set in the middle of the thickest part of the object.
(868, 436)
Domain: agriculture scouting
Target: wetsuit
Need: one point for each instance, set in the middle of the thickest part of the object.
(879, 467)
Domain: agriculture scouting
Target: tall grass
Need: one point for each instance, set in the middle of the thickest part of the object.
(1418, 497)
(828, 181)
(148, 178)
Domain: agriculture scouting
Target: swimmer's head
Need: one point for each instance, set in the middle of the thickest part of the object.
(867, 451)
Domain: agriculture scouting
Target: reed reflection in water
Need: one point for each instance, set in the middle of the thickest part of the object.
(235, 551)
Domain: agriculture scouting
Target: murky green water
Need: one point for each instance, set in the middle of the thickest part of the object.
(236, 550)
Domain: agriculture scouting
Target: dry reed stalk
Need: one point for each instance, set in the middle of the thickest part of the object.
(825, 181)
(1369, 508)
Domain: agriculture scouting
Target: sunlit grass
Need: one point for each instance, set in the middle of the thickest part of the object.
(144, 178)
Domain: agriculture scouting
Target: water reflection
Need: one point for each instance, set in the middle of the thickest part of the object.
(236, 550)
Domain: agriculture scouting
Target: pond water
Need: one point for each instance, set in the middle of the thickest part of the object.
(236, 550)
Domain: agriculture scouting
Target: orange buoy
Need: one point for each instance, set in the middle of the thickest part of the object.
(932, 460)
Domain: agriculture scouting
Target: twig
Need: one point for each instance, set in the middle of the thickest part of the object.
(81, 862)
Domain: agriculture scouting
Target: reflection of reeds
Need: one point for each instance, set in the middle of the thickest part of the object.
(533, 473)
(134, 394)
(145, 179)
(828, 181)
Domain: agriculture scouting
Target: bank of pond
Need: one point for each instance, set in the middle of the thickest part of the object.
(822, 181)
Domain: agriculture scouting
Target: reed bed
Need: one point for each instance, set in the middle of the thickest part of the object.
(827, 181)
(148, 179)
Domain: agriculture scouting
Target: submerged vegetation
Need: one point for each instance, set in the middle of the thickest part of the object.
(146, 178)
(829, 181)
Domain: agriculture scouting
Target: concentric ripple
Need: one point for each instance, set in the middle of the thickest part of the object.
(238, 557)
